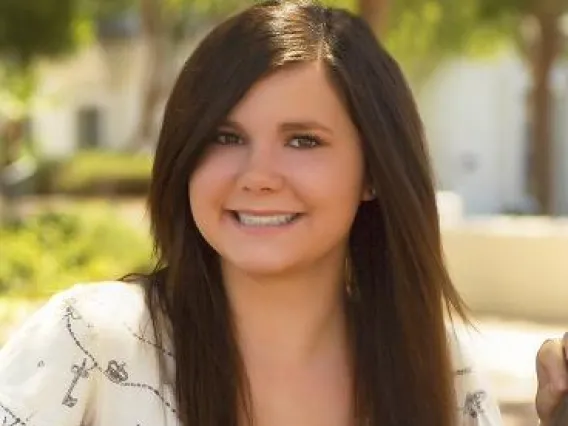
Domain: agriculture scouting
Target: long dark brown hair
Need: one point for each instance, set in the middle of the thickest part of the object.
(403, 374)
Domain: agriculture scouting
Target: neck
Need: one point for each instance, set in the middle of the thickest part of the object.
(288, 320)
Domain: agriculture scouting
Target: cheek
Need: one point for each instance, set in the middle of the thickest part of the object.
(210, 182)
(335, 180)
(205, 192)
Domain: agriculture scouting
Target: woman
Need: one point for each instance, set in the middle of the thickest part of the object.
(300, 278)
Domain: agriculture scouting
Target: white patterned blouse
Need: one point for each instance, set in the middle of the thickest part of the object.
(88, 358)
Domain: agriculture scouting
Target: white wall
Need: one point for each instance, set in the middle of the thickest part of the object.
(55, 130)
(475, 114)
(108, 79)
(124, 91)
(511, 266)
(560, 160)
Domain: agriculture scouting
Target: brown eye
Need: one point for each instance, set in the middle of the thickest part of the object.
(304, 142)
(228, 138)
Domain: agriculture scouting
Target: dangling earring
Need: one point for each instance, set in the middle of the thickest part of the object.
(350, 285)
(347, 276)
(373, 193)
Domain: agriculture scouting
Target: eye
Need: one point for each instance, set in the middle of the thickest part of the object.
(304, 142)
(227, 138)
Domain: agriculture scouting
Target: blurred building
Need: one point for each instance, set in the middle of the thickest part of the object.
(475, 113)
(474, 110)
(92, 100)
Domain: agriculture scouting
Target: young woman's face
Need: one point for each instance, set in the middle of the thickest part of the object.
(279, 187)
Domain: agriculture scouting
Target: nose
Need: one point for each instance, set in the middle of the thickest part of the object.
(259, 172)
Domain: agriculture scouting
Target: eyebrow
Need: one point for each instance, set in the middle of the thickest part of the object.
(304, 125)
(288, 126)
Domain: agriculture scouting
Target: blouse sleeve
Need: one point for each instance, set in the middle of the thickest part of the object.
(46, 368)
(476, 405)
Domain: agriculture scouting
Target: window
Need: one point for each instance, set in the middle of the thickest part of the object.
(88, 126)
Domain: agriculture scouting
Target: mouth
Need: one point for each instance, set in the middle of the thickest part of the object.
(264, 220)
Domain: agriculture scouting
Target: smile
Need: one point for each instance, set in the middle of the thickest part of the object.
(249, 219)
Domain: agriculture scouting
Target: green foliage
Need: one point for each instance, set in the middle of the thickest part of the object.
(52, 251)
(105, 8)
(422, 33)
(35, 27)
(210, 7)
(29, 30)
(224, 7)
(495, 9)
(17, 87)
(98, 171)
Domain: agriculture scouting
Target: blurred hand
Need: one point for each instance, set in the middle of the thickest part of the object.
(552, 373)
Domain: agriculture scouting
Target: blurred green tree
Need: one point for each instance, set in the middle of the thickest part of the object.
(30, 30)
(164, 24)
(375, 12)
(537, 27)
(32, 27)
(421, 33)
(26, 31)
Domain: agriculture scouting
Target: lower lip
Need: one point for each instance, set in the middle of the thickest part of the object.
(262, 230)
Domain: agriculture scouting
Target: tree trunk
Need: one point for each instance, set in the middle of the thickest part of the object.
(154, 31)
(543, 54)
(375, 12)
(10, 151)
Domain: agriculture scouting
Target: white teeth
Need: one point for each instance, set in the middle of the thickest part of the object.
(251, 220)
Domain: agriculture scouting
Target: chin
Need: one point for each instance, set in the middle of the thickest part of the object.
(264, 266)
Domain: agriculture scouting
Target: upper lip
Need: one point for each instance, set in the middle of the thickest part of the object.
(263, 212)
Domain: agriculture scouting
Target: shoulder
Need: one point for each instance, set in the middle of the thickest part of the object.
(78, 318)
(81, 310)
(52, 364)
(118, 316)
(476, 403)
(106, 304)
(126, 298)
(114, 314)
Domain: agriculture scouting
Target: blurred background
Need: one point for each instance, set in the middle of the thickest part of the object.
(83, 84)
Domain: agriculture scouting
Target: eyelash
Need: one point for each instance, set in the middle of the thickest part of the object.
(222, 134)
(314, 141)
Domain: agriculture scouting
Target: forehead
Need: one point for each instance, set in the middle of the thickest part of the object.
(300, 92)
